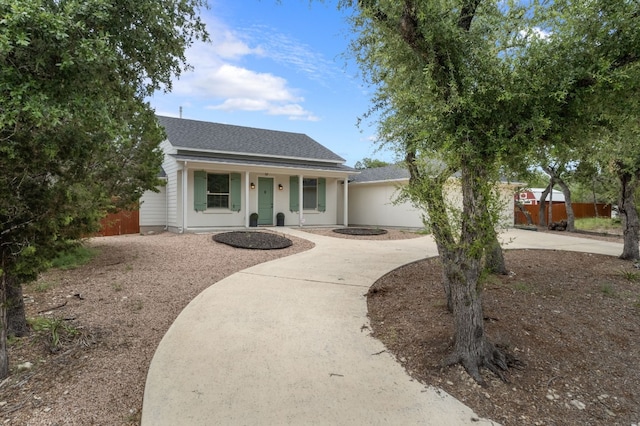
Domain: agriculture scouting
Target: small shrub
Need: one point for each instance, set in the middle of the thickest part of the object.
(136, 306)
(608, 290)
(522, 286)
(632, 276)
(55, 331)
(74, 258)
(42, 286)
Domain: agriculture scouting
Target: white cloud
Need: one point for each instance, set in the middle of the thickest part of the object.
(229, 81)
(292, 111)
(288, 51)
(228, 46)
(219, 74)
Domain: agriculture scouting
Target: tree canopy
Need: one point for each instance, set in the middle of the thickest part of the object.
(479, 85)
(77, 137)
(370, 163)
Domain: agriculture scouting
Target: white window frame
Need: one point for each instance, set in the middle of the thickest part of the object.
(227, 194)
(315, 187)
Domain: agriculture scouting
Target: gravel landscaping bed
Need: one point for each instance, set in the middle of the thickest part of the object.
(121, 303)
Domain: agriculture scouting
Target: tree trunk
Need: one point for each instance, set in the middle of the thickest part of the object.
(542, 220)
(525, 212)
(629, 215)
(4, 358)
(571, 217)
(493, 258)
(462, 265)
(16, 317)
(472, 349)
(550, 210)
(595, 198)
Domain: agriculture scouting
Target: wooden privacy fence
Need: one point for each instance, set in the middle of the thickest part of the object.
(559, 212)
(121, 223)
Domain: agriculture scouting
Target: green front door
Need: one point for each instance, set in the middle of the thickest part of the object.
(265, 201)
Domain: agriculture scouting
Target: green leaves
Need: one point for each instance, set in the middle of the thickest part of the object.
(76, 137)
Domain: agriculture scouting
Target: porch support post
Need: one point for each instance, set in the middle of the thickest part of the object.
(247, 198)
(185, 195)
(345, 202)
(300, 201)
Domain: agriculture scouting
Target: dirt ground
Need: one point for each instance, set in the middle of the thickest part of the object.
(573, 319)
(120, 305)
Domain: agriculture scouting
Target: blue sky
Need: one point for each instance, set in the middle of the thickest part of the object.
(277, 65)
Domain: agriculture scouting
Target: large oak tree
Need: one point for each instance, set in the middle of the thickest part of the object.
(77, 137)
(476, 85)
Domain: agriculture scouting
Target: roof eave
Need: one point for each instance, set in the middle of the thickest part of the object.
(338, 160)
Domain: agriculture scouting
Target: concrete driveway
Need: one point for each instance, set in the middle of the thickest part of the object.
(288, 343)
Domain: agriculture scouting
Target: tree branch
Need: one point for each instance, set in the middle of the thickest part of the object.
(467, 14)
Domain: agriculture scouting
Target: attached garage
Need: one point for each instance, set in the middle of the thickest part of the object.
(373, 192)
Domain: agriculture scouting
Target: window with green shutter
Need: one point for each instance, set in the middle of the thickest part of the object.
(236, 192)
(309, 193)
(199, 191)
(217, 191)
(314, 193)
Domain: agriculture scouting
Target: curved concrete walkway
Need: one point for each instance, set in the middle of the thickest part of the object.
(287, 343)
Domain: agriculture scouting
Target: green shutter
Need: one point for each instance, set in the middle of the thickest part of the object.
(294, 200)
(322, 194)
(199, 191)
(235, 192)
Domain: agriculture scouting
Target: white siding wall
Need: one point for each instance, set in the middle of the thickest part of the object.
(372, 205)
(153, 208)
(172, 169)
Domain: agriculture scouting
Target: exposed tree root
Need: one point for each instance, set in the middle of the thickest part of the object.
(493, 359)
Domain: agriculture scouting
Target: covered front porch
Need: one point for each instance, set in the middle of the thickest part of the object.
(214, 195)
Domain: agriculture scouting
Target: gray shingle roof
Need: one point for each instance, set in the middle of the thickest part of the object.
(224, 138)
(309, 165)
(394, 172)
(377, 174)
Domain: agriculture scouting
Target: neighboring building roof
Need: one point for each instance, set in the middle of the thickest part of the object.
(537, 192)
(206, 137)
(394, 172)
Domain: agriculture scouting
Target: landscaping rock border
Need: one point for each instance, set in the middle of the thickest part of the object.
(360, 231)
(253, 240)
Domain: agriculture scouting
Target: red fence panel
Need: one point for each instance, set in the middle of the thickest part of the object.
(121, 223)
(559, 212)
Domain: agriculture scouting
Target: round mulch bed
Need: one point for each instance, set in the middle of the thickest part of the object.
(253, 240)
(360, 231)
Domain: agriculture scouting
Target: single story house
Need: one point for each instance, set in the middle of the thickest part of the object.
(373, 192)
(220, 175)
